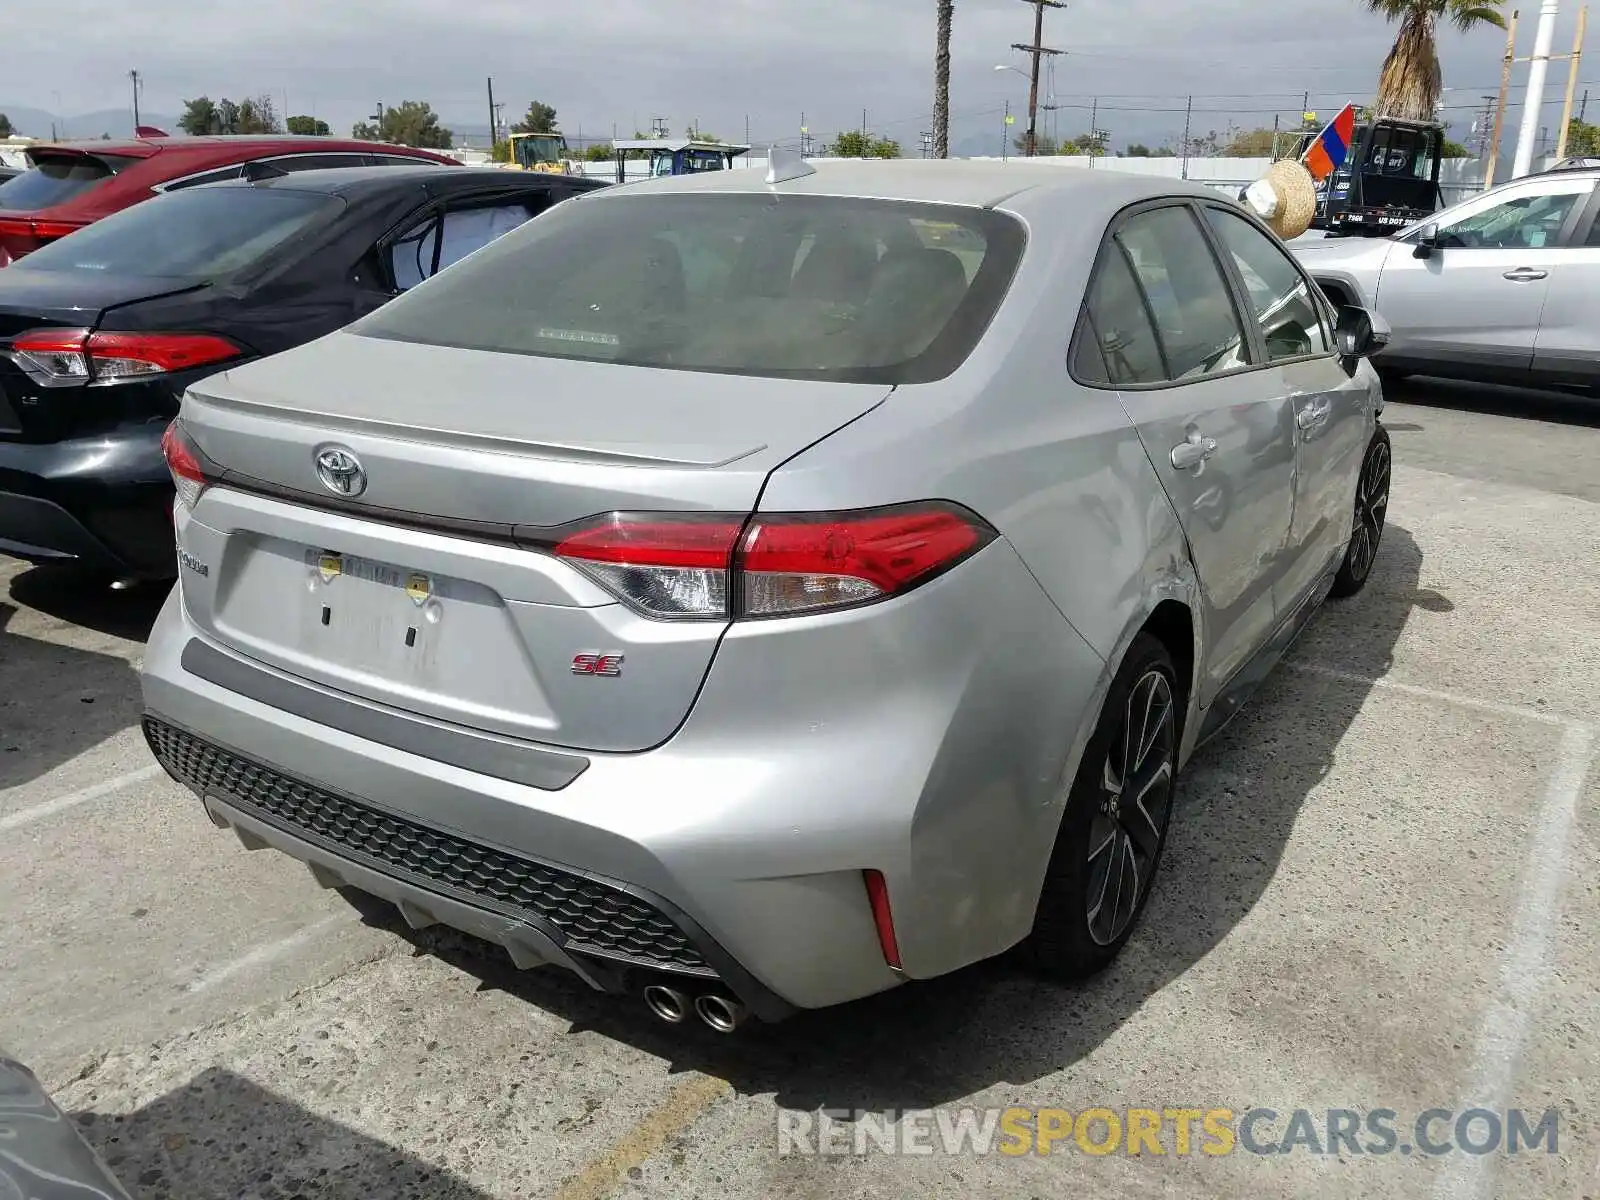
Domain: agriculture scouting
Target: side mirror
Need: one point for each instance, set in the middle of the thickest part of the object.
(1359, 333)
(1427, 242)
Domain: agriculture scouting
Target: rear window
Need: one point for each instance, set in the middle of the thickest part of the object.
(57, 178)
(805, 287)
(192, 234)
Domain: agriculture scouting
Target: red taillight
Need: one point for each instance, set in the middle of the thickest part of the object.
(54, 357)
(878, 897)
(771, 565)
(672, 567)
(188, 467)
(32, 227)
(798, 564)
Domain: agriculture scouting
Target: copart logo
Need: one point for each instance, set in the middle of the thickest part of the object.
(341, 471)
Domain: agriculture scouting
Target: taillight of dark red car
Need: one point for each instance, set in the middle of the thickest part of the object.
(689, 567)
(62, 357)
(20, 236)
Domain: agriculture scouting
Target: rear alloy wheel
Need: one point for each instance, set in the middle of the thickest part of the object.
(1115, 823)
(1372, 510)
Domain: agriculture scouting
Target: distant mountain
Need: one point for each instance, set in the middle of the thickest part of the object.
(118, 122)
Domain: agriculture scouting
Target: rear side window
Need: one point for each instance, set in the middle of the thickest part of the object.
(446, 238)
(811, 287)
(56, 178)
(1119, 327)
(196, 234)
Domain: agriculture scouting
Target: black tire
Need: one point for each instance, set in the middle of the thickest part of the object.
(1372, 511)
(1112, 833)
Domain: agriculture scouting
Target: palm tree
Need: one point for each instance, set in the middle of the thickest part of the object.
(1411, 82)
(941, 81)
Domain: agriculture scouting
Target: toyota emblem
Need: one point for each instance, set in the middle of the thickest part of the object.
(340, 471)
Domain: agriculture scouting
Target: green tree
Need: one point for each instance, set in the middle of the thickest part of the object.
(1045, 145)
(1453, 149)
(1086, 144)
(250, 115)
(414, 123)
(258, 115)
(1254, 143)
(1411, 82)
(599, 152)
(941, 79)
(540, 118)
(1583, 138)
(700, 135)
(6, 129)
(309, 127)
(199, 117)
(855, 144)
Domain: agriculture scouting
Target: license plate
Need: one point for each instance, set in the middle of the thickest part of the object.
(378, 612)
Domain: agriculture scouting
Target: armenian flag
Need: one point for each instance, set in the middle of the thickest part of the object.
(1332, 147)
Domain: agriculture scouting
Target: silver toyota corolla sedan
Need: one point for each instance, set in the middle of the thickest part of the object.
(756, 590)
(1500, 287)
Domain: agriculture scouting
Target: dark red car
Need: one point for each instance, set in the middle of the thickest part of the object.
(73, 184)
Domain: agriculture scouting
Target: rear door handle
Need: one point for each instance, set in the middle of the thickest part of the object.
(1313, 415)
(1526, 275)
(1192, 452)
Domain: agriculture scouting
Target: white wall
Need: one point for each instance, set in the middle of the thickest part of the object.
(1458, 177)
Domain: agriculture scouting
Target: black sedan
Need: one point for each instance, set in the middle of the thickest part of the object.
(101, 332)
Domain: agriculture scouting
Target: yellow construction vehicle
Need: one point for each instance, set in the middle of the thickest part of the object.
(545, 152)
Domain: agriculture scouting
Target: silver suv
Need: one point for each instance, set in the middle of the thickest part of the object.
(1499, 287)
(756, 590)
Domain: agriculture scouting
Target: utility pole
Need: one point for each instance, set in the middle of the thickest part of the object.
(134, 76)
(1500, 103)
(1572, 81)
(1533, 102)
(1484, 123)
(1038, 49)
(494, 130)
(1583, 113)
(1005, 141)
(1188, 114)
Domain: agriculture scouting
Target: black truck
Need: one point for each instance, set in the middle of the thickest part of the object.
(1389, 179)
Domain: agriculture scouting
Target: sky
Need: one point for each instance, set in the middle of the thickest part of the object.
(721, 63)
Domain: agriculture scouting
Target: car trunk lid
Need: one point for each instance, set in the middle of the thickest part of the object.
(31, 300)
(432, 588)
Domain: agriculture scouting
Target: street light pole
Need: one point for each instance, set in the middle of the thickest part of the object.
(1533, 103)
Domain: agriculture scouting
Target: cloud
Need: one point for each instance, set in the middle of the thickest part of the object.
(622, 62)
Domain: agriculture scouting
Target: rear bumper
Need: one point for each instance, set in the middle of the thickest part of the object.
(926, 739)
(101, 501)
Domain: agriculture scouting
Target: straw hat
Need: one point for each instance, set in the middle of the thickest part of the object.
(1285, 198)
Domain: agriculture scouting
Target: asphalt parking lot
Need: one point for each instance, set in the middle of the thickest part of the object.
(1381, 892)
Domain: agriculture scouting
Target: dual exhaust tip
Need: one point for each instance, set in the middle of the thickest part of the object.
(721, 1012)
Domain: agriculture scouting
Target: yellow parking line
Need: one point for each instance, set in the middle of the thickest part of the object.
(676, 1113)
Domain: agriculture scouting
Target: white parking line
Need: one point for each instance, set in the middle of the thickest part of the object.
(265, 954)
(50, 808)
(1426, 693)
(1524, 962)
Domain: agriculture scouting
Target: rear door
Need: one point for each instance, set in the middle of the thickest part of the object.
(1568, 347)
(1162, 327)
(1331, 404)
(1478, 299)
